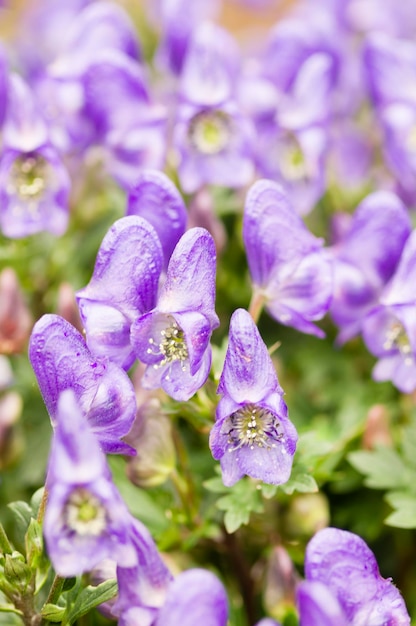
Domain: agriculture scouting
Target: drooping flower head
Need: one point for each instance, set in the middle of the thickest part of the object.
(365, 258)
(173, 338)
(389, 330)
(288, 267)
(34, 184)
(123, 287)
(86, 520)
(252, 434)
(61, 360)
(344, 587)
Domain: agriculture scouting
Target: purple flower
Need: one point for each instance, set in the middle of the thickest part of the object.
(61, 360)
(34, 184)
(123, 287)
(288, 267)
(252, 434)
(195, 596)
(86, 520)
(173, 338)
(344, 587)
(365, 258)
(155, 198)
(389, 330)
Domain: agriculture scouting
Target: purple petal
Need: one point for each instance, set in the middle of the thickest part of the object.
(155, 198)
(195, 597)
(399, 290)
(190, 280)
(318, 607)
(24, 127)
(125, 278)
(61, 360)
(248, 374)
(345, 564)
(273, 233)
(77, 474)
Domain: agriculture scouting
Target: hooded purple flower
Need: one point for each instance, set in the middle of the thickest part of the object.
(252, 434)
(86, 520)
(389, 330)
(123, 286)
(155, 197)
(173, 338)
(61, 360)
(195, 597)
(34, 184)
(344, 587)
(288, 267)
(365, 258)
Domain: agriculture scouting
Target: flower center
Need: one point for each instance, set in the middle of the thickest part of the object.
(397, 339)
(29, 176)
(292, 160)
(210, 131)
(172, 346)
(252, 426)
(84, 513)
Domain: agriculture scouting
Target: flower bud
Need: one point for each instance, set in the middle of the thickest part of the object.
(281, 581)
(307, 513)
(152, 438)
(17, 572)
(10, 443)
(377, 431)
(15, 319)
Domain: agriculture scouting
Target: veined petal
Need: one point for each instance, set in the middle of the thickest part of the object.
(248, 374)
(273, 233)
(155, 197)
(126, 276)
(190, 280)
(318, 607)
(195, 597)
(61, 360)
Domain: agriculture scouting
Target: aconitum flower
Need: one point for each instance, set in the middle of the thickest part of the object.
(344, 587)
(196, 596)
(365, 258)
(252, 434)
(34, 184)
(86, 520)
(289, 269)
(61, 360)
(173, 338)
(123, 287)
(389, 330)
(155, 198)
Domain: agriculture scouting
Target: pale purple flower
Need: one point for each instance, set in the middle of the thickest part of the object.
(123, 287)
(194, 596)
(34, 183)
(365, 258)
(155, 198)
(86, 520)
(288, 266)
(252, 433)
(4, 78)
(61, 360)
(344, 587)
(389, 330)
(173, 338)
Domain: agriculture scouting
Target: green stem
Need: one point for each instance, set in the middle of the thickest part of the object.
(258, 300)
(42, 506)
(5, 546)
(55, 590)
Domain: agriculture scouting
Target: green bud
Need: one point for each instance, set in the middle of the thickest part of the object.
(17, 572)
(307, 513)
(153, 441)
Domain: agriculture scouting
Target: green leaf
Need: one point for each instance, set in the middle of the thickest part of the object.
(405, 514)
(89, 598)
(53, 612)
(300, 480)
(22, 514)
(383, 468)
(242, 499)
(34, 543)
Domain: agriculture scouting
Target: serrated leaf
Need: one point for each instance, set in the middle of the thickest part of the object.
(405, 514)
(300, 480)
(241, 500)
(53, 612)
(409, 445)
(89, 598)
(268, 491)
(22, 514)
(215, 485)
(234, 518)
(383, 468)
